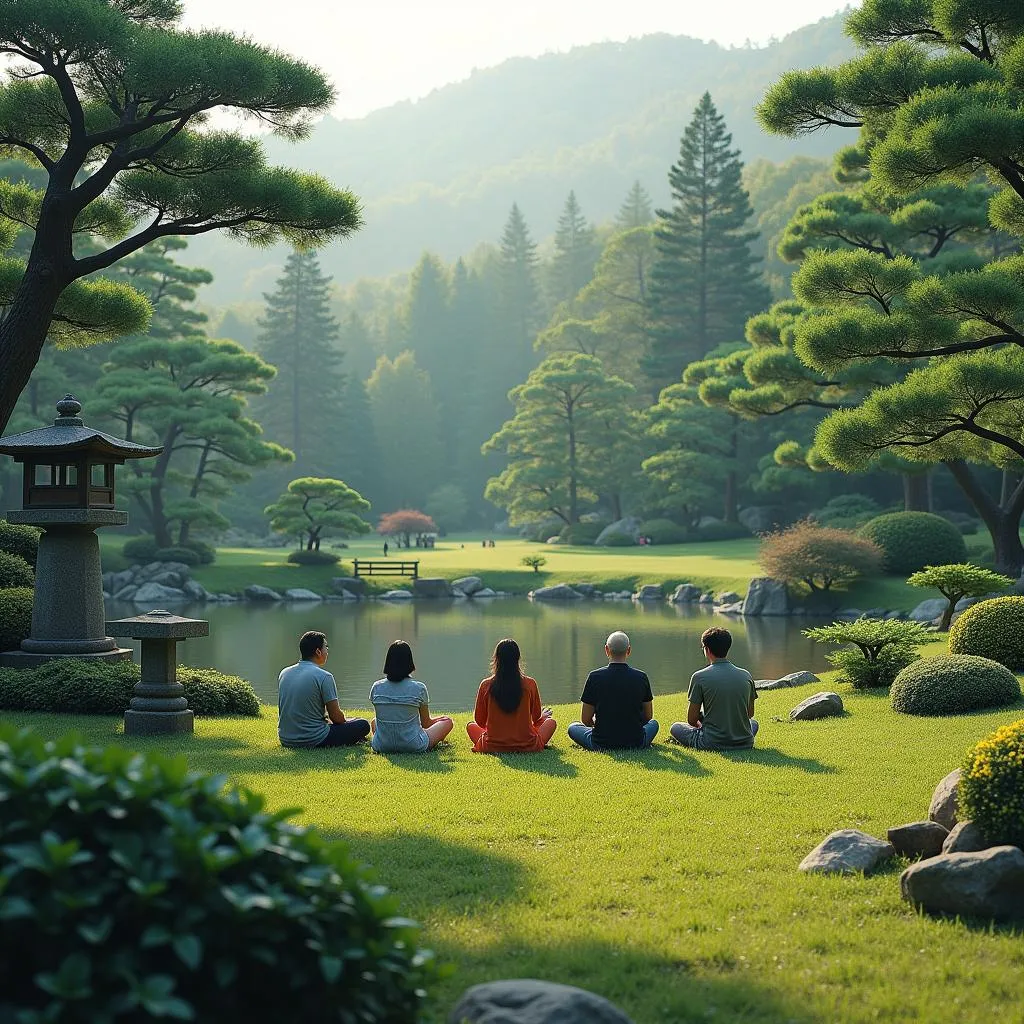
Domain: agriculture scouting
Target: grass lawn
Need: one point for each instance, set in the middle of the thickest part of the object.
(666, 881)
(719, 566)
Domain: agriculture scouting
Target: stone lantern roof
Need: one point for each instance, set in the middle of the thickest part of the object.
(69, 433)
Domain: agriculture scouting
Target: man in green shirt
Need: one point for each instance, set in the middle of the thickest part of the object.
(721, 712)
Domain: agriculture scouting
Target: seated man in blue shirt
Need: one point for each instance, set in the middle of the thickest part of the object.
(308, 714)
(617, 703)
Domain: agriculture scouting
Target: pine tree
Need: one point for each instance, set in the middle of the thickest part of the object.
(705, 282)
(518, 297)
(299, 336)
(575, 253)
(636, 211)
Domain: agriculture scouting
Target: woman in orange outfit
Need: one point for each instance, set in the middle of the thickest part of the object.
(508, 716)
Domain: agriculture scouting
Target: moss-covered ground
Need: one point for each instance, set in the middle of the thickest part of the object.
(666, 881)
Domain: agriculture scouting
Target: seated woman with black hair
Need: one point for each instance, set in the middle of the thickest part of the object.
(402, 706)
(508, 716)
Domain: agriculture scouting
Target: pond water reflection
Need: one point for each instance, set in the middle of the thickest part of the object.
(452, 643)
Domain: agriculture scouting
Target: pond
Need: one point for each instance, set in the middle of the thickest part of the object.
(452, 643)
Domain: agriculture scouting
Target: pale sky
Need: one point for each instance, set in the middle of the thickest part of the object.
(378, 52)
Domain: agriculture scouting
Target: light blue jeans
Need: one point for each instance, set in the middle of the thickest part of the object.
(583, 735)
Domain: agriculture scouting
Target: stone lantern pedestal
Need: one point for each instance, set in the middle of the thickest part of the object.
(158, 706)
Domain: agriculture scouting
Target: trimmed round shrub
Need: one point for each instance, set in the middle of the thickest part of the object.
(719, 531)
(140, 549)
(992, 629)
(15, 617)
(912, 540)
(16, 539)
(664, 531)
(847, 511)
(177, 554)
(991, 790)
(207, 552)
(15, 572)
(136, 890)
(80, 687)
(619, 539)
(950, 684)
(581, 533)
(314, 558)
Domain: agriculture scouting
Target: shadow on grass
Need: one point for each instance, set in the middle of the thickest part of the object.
(431, 761)
(771, 757)
(647, 986)
(660, 757)
(550, 761)
(419, 868)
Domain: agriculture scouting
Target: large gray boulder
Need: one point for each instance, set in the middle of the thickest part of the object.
(650, 592)
(966, 837)
(301, 594)
(943, 808)
(126, 593)
(821, 705)
(486, 592)
(156, 595)
(588, 590)
(801, 678)
(396, 595)
(685, 593)
(988, 884)
(525, 1001)
(846, 852)
(120, 580)
(169, 579)
(766, 596)
(928, 610)
(196, 591)
(468, 585)
(918, 839)
(630, 526)
(348, 585)
(432, 587)
(558, 592)
(257, 593)
(727, 597)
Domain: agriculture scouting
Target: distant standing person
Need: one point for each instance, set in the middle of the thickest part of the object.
(385, 549)
(618, 706)
(401, 705)
(308, 714)
(508, 716)
(721, 711)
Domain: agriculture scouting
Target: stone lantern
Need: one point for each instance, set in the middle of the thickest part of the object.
(68, 491)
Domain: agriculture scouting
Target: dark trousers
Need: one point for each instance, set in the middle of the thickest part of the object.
(347, 733)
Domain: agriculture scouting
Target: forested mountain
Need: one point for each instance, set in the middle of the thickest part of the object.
(441, 173)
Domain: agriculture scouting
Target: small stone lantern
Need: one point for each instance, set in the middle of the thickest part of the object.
(68, 491)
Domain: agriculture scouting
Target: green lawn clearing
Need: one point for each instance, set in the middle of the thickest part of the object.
(666, 881)
(719, 566)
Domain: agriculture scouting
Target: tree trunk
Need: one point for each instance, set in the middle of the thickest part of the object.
(573, 485)
(1009, 552)
(157, 515)
(731, 511)
(915, 492)
(1002, 520)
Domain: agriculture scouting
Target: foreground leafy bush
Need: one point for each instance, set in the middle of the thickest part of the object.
(15, 571)
(993, 629)
(953, 683)
(991, 791)
(95, 688)
(878, 649)
(912, 540)
(140, 549)
(313, 557)
(16, 539)
(956, 581)
(818, 555)
(136, 890)
(15, 616)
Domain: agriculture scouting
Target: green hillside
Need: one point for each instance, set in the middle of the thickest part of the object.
(441, 173)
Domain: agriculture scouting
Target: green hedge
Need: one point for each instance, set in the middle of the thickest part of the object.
(135, 890)
(618, 539)
(313, 558)
(77, 687)
(951, 684)
(20, 540)
(15, 617)
(581, 533)
(992, 629)
(664, 531)
(912, 540)
(991, 790)
(15, 572)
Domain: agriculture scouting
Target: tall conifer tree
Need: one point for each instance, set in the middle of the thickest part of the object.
(705, 282)
(575, 253)
(518, 296)
(636, 210)
(299, 336)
